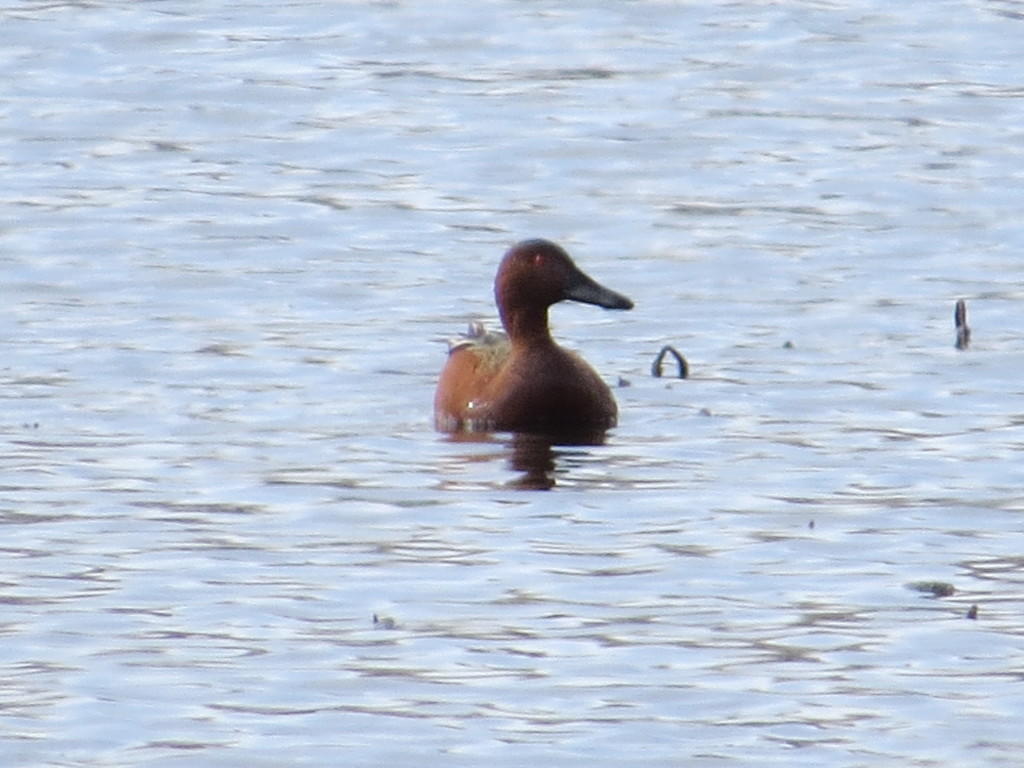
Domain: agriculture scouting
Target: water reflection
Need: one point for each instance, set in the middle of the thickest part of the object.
(538, 458)
(533, 456)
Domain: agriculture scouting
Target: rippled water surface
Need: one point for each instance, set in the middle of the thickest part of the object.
(234, 237)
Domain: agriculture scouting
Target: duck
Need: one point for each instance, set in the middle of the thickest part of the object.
(521, 380)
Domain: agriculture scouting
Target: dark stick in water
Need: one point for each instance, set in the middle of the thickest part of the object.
(963, 333)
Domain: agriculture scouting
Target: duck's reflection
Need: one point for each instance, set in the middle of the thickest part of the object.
(538, 458)
(533, 456)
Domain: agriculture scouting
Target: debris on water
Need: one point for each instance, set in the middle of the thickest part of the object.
(963, 333)
(384, 622)
(683, 368)
(934, 588)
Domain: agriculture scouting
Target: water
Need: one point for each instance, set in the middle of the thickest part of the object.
(234, 236)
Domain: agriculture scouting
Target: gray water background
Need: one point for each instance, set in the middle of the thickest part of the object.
(233, 236)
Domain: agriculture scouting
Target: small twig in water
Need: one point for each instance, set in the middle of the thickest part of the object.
(963, 333)
(684, 369)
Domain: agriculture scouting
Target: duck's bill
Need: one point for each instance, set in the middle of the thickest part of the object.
(587, 290)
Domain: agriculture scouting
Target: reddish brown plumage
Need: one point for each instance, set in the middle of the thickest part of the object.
(526, 382)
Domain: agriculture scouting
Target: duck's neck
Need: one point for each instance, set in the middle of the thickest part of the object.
(527, 326)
